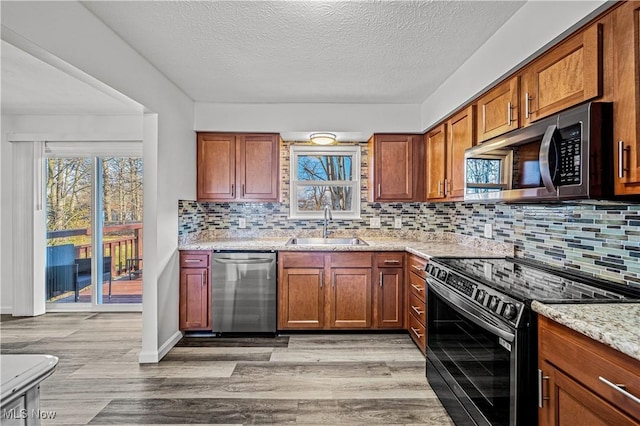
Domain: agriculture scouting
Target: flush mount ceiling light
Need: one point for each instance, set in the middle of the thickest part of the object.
(323, 138)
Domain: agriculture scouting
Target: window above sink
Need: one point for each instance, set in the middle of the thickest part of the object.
(325, 176)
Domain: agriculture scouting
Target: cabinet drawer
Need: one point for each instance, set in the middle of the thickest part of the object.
(417, 286)
(301, 260)
(417, 308)
(589, 362)
(416, 265)
(351, 260)
(194, 260)
(389, 260)
(418, 333)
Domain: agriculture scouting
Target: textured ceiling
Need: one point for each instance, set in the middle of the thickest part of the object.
(306, 51)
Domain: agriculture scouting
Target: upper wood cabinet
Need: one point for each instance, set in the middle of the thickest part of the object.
(396, 168)
(626, 99)
(238, 167)
(498, 110)
(445, 146)
(436, 149)
(567, 75)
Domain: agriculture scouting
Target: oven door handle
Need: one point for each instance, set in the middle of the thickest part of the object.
(459, 306)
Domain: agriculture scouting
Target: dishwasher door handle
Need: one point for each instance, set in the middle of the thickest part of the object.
(251, 260)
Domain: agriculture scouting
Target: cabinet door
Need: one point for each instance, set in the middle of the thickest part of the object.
(563, 77)
(571, 404)
(216, 167)
(436, 148)
(194, 299)
(626, 110)
(258, 167)
(498, 110)
(350, 298)
(389, 298)
(395, 174)
(301, 298)
(461, 137)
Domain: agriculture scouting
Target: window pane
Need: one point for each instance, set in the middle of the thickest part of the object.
(325, 167)
(311, 198)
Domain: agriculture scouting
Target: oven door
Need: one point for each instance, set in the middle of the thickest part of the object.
(471, 353)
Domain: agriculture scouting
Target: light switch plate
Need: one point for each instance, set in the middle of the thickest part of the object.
(242, 223)
(488, 230)
(397, 223)
(374, 222)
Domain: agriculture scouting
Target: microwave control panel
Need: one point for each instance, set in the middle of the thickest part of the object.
(570, 157)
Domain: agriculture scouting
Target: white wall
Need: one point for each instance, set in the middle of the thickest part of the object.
(532, 27)
(296, 121)
(67, 30)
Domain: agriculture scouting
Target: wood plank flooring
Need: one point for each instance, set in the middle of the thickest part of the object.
(319, 379)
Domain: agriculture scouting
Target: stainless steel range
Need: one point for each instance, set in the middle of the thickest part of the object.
(482, 336)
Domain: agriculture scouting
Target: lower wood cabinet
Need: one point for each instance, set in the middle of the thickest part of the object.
(416, 306)
(388, 294)
(195, 291)
(583, 382)
(321, 290)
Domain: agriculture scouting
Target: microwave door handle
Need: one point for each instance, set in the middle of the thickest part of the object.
(545, 147)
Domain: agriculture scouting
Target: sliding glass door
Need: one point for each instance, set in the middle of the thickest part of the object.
(85, 267)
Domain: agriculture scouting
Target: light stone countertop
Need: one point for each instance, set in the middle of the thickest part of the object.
(615, 324)
(438, 245)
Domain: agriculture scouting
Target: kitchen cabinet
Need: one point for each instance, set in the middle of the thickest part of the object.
(195, 291)
(301, 291)
(416, 306)
(337, 290)
(626, 98)
(389, 291)
(582, 381)
(498, 110)
(396, 168)
(567, 75)
(350, 290)
(445, 147)
(238, 167)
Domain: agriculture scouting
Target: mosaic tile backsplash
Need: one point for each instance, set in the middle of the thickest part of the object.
(601, 239)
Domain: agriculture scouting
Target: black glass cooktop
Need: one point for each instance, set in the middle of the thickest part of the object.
(529, 280)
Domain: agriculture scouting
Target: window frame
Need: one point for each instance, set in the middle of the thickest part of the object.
(297, 151)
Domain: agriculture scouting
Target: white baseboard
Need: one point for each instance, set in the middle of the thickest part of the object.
(151, 357)
(8, 310)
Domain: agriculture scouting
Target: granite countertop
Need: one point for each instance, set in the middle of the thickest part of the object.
(438, 244)
(615, 324)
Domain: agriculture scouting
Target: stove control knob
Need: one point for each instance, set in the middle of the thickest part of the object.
(442, 275)
(510, 311)
(481, 295)
(494, 302)
(434, 271)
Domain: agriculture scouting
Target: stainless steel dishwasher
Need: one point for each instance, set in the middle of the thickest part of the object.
(243, 292)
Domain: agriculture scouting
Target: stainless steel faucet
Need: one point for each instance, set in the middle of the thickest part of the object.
(327, 212)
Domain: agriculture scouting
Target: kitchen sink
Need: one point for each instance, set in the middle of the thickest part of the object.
(326, 242)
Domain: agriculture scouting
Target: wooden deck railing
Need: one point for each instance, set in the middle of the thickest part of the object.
(120, 249)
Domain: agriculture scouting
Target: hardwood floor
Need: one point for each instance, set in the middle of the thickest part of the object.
(295, 378)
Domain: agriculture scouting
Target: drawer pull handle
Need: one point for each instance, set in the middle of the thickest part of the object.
(622, 167)
(380, 278)
(416, 310)
(620, 388)
(416, 287)
(391, 262)
(417, 268)
(192, 261)
(415, 331)
(541, 397)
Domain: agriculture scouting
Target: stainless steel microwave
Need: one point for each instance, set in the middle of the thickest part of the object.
(564, 157)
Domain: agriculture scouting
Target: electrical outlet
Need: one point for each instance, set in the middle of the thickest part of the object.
(488, 230)
(242, 223)
(397, 223)
(374, 222)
